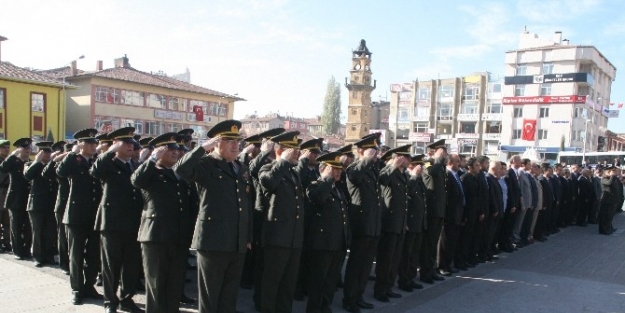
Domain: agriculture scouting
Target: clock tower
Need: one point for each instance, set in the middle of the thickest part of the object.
(359, 86)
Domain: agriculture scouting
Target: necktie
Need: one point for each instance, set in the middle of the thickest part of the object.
(129, 165)
(231, 165)
(459, 186)
(486, 180)
(338, 192)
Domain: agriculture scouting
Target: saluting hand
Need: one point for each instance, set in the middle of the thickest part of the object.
(208, 145)
(144, 154)
(158, 152)
(39, 156)
(370, 153)
(17, 152)
(266, 146)
(60, 157)
(304, 154)
(248, 148)
(116, 146)
(76, 148)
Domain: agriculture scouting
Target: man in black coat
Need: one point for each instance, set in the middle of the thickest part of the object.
(483, 224)
(80, 214)
(5, 220)
(585, 198)
(473, 212)
(223, 229)
(283, 227)
(541, 231)
(514, 204)
(118, 220)
(165, 225)
(496, 208)
(364, 216)
(41, 205)
(453, 217)
(328, 233)
(17, 198)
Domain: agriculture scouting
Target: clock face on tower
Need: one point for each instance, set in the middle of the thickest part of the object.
(357, 66)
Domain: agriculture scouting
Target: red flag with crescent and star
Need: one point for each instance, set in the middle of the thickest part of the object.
(199, 113)
(529, 129)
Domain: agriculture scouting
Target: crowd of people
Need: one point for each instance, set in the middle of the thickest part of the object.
(277, 215)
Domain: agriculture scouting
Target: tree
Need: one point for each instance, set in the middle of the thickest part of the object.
(331, 118)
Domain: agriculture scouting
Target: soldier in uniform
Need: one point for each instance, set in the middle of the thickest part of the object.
(118, 221)
(609, 198)
(165, 225)
(364, 216)
(328, 233)
(223, 229)
(435, 179)
(60, 149)
(17, 198)
(146, 149)
(80, 215)
(5, 220)
(104, 143)
(283, 227)
(41, 205)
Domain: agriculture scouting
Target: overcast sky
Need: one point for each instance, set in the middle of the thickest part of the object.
(280, 54)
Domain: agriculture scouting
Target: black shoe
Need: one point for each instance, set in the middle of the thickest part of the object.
(427, 280)
(186, 299)
(443, 272)
(415, 285)
(507, 249)
(66, 272)
(382, 298)
(406, 288)
(364, 305)
(38, 264)
(92, 293)
(18, 257)
(493, 258)
(111, 309)
(436, 277)
(129, 305)
(391, 294)
(352, 308)
(481, 259)
(76, 299)
(98, 281)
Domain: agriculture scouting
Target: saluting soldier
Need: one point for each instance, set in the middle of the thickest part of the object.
(328, 233)
(118, 221)
(80, 215)
(347, 158)
(283, 227)
(17, 198)
(104, 143)
(165, 225)
(146, 149)
(223, 228)
(5, 220)
(41, 205)
(364, 216)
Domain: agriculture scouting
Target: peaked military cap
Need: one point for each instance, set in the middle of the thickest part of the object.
(227, 129)
(59, 146)
(417, 159)
(180, 138)
(402, 150)
(44, 145)
(168, 140)
(287, 139)
(4, 143)
(258, 138)
(68, 146)
(438, 145)
(125, 134)
(332, 159)
(103, 138)
(23, 142)
(145, 142)
(347, 150)
(313, 145)
(369, 141)
(186, 134)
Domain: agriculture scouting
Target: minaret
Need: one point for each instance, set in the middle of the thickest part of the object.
(360, 88)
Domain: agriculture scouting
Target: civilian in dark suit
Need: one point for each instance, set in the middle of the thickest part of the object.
(586, 197)
(558, 193)
(514, 204)
(223, 228)
(453, 217)
(542, 224)
(482, 223)
(473, 212)
(495, 210)
(283, 227)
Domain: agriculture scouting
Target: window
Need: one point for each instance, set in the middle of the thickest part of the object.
(420, 147)
(157, 101)
(424, 94)
(519, 90)
(516, 134)
(138, 127)
(578, 112)
(542, 134)
(446, 91)
(405, 95)
(494, 108)
(37, 102)
(403, 114)
(422, 111)
(1, 98)
(420, 127)
(496, 87)
(471, 92)
(518, 112)
(544, 112)
(444, 111)
(545, 89)
(493, 127)
(469, 108)
(153, 128)
(101, 93)
(468, 128)
(521, 69)
(131, 98)
(173, 127)
(547, 68)
(583, 90)
(173, 104)
(576, 135)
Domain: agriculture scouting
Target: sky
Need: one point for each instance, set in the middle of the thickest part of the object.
(280, 54)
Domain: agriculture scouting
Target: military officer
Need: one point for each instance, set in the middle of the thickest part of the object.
(41, 205)
(80, 215)
(146, 149)
(223, 228)
(118, 220)
(364, 216)
(328, 233)
(165, 225)
(5, 220)
(283, 227)
(17, 198)
(104, 143)
(60, 149)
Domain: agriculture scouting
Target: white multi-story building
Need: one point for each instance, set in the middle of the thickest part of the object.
(555, 95)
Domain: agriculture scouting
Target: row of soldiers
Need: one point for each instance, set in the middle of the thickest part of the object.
(280, 215)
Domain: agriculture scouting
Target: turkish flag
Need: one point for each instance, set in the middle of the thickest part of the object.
(529, 129)
(199, 113)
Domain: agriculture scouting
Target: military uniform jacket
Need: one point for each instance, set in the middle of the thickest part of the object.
(329, 225)
(49, 171)
(42, 190)
(435, 180)
(306, 174)
(609, 189)
(473, 208)
(166, 217)
(223, 222)
(284, 223)
(261, 202)
(455, 200)
(121, 205)
(366, 201)
(417, 209)
(85, 191)
(17, 197)
(4, 186)
(394, 187)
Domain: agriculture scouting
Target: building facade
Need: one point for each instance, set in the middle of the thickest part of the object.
(556, 96)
